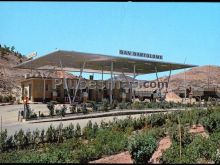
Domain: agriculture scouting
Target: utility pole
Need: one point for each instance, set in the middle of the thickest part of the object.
(180, 138)
(185, 84)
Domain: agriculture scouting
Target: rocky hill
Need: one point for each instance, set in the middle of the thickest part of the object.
(9, 76)
(198, 78)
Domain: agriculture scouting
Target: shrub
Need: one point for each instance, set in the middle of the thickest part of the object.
(139, 122)
(70, 131)
(19, 139)
(105, 105)
(109, 142)
(72, 108)
(5, 99)
(211, 122)
(84, 109)
(50, 106)
(3, 138)
(186, 138)
(42, 134)
(171, 155)
(28, 139)
(42, 115)
(122, 105)
(114, 104)
(33, 116)
(36, 137)
(205, 148)
(89, 132)
(137, 105)
(77, 131)
(156, 120)
(63, 110)
(87, 153)
(1, 98)
(10, 143)
(51, 134)
(141, 147)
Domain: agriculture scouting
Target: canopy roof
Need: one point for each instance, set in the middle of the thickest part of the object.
(73, 61)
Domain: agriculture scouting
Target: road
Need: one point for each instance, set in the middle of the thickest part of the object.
(10, 121)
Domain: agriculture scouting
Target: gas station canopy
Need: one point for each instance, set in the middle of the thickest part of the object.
(95, 63)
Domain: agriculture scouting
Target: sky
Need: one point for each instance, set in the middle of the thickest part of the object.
(178, 31)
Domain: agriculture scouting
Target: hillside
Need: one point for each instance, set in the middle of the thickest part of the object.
(197, 78)
(10, 77)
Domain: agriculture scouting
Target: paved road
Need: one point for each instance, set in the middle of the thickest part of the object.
(10, 122)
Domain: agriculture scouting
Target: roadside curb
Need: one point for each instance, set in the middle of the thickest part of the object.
(4, 104)
(106, 114)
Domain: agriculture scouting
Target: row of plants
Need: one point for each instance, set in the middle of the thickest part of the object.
(113, 132)
(105, 106)
(66, 144)
(6, 99)
(195, 148)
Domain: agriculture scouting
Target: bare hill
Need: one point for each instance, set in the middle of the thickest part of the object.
(197, 78)
(9, 76)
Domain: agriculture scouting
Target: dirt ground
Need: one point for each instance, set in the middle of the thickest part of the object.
(198, 129)
(164, 144)
(123, 157)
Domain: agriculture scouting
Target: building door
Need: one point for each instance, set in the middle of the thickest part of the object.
(30, 91)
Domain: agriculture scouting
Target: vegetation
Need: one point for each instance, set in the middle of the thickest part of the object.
(72, 144)
(6, 99)
(142, 147)
(6, 50)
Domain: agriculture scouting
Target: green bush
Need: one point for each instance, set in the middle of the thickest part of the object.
(84, 109)
(171, 155)
(33, 116)
(1, 98)
(87, 153)
(156, 120)
(77, 132)
(72, 108)
(140, 122)
(211, 122)
(186, 137)
(199, 149)
(137, 105)
(105, 105)
(51, 134)
(63, 110)
(3, 138)
(42, 115)
(50, 106)
(19, 139)
(109, 142)
(141, 147)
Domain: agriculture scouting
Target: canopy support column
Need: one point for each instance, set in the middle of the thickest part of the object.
(110, 95)
(44, 90)
(77, 86)
(134, 76)
(65, 83)
(168, 81)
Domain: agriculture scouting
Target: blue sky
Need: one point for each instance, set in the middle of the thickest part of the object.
(175, 30)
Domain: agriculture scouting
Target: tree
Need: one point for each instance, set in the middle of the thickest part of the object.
(12, 49)
(142, 147)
